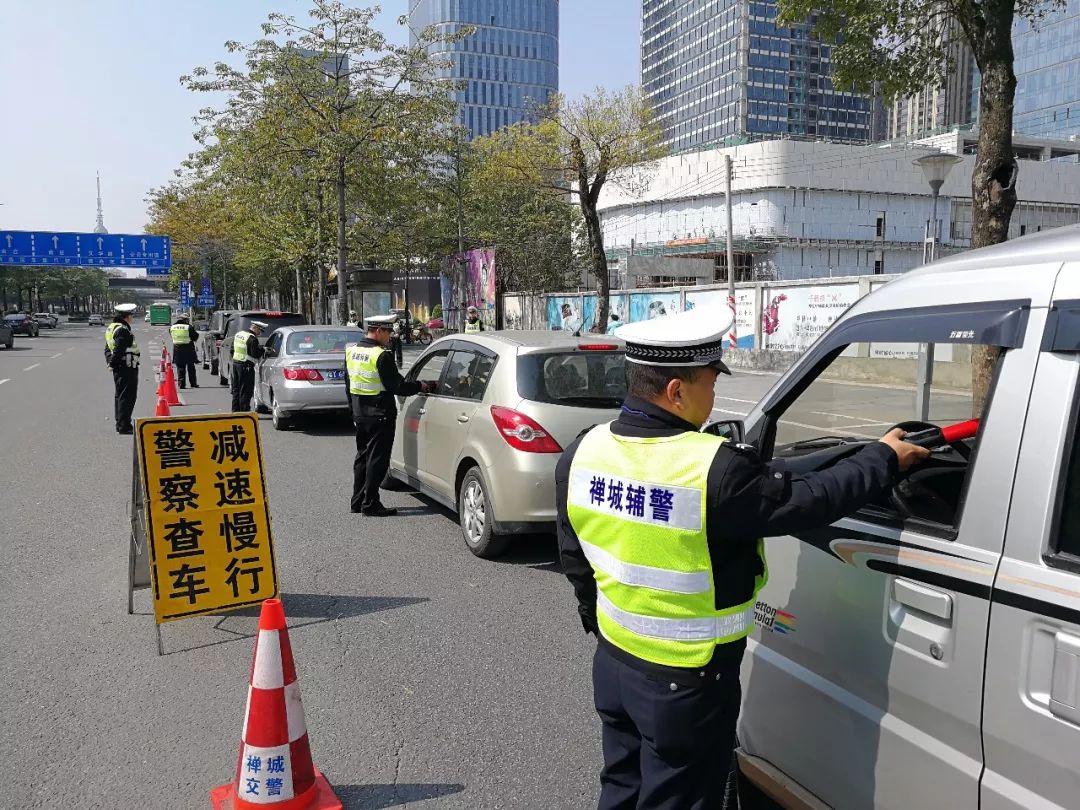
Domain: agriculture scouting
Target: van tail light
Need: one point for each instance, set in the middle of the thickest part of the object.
(309, 374)
(523, 433)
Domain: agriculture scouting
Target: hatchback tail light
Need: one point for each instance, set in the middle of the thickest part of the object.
(522, 432)
(309, 374)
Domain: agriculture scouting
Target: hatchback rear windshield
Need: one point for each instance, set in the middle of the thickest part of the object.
(15, 318)
(584, 379)
(322, 342)
(272, 322)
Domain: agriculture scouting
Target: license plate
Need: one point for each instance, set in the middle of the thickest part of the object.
(335, 375)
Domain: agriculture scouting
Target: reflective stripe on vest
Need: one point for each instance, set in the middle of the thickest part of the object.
(361, 363)
(239, 347)
(638, 507)
(110, 338)
(180, 333)
(472, 326)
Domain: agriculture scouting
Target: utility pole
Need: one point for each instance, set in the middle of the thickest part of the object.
(732, 335)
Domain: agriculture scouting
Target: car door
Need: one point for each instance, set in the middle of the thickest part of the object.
(411, 450)
(451, 410)
(863, 682)
(266, 368)
(1032, 721)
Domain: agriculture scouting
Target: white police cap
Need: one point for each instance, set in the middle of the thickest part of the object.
(260, 324)
(380, 321)
(693, 338)
(125, 309)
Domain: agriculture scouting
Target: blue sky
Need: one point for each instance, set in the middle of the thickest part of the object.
(94, 85)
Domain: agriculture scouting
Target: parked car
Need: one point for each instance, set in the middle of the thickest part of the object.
(436, 323)
(7, 335)
(242, 321)
(95, 320)
(210, 341)
(46, 319)
(937, 631)
(303, 372)
(22, 324)
(486, 442)
(146, 318)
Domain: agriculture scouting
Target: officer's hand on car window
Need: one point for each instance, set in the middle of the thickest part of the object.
(906, 454)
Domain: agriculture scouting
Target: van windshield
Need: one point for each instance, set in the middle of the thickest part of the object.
(581, 379)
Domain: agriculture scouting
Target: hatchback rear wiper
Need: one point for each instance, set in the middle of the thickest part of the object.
(590, 402)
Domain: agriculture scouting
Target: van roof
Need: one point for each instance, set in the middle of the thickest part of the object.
(1054, 245)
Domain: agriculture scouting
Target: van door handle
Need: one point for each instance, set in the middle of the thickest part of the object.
(463, 418)
(1065, 683)
(924, 599)
(422, 411)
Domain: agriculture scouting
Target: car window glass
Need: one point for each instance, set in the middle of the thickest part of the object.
(583, 379)
(322, 341)
(859, 398)
(430, 368)
(467, 375)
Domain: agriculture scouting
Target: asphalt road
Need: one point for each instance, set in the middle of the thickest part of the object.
(429, 677)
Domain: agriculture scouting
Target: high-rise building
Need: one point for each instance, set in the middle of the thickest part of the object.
(509, 65)
(936, 106)
(1047, 65)
(714, 70)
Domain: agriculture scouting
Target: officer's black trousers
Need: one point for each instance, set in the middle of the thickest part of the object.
(395, 347)
(374, 441)
(667, 745)
(186, 371)
(126, 385)
(243, 386)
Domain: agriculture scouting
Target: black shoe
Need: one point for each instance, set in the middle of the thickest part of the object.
(125, 431)
(380, 511)
(193, 385)
(182, 387)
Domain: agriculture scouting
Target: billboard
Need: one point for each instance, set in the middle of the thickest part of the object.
(649, 305)
(468, 280)
(745, 307)
(792, 318)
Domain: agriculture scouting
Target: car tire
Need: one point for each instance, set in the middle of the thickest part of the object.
(475, 516)
(10, 344)
(280, 419)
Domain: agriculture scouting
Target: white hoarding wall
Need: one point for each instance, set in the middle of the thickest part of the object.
(745, 310)
(943, 352)
(794, 317)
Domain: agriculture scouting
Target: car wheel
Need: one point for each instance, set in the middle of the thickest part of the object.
(279, 418)
(476, 516)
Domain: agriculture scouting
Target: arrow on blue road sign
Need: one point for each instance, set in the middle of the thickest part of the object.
(49, 248)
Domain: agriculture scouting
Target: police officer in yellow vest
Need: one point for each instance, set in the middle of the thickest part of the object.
(184, 337)
(374, 381)
(473, 324)
(246, 349)
(660, 531)
(122, 356)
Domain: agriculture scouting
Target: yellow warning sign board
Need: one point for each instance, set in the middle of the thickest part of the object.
(207, 516)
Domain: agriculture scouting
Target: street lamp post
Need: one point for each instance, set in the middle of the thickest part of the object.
(936, 168)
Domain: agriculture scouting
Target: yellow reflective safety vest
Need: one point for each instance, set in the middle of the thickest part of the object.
(638, 506)
(181, 334)
(239, 347)
(361, 363)
(110, 338)
(472, 327)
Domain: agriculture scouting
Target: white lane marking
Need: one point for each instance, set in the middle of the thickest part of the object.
(865, 424)
(4, 381)
(725, 410)
(733, 399)
(56, 355)
(31, 368)
(867, 419)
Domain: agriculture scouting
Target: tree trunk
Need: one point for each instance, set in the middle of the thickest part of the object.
(598, 260)
(342, 253)
(320, 269)
(993, 182)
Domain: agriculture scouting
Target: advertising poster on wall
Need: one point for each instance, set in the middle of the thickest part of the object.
(745, 307)
(565, 312)
(646, 306)
(792, 318)
(468, 280)
(512, 315)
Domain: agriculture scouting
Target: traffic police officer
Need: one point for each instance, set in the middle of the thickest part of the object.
(473, 324)
(122, 357)
(660, 531)
(354, 319)
(184, 337)
(246, 349)
(374, 381)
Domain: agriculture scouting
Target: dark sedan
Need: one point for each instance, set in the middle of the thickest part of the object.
(22, 324)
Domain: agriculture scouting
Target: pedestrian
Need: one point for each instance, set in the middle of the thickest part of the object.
(374, 381)
(660, 531)
(122, 356)
(473, 324)
(184, 336)
(354, 319)
(396, 340)
(613, 323)
(246, 349)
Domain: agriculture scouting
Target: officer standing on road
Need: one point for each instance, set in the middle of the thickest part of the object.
(122, 357)
(660, 531)
(184, 337)
(473, 324)
(374, 381)
(354, 319)
(246, 349)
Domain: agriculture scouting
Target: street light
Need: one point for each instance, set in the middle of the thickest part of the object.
(935, 169)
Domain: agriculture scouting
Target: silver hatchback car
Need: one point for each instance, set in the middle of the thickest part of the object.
(303, 372)
(486, 442)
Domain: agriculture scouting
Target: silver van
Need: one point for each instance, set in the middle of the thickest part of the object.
(925, 653)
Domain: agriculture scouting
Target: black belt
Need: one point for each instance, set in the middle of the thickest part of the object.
(725, 657)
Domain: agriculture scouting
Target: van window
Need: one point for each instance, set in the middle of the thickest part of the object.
(1068, 533)
(871, 388)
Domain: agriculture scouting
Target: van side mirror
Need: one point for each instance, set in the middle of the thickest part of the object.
(731, 429)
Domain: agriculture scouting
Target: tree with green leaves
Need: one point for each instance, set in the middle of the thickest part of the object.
(904, 45)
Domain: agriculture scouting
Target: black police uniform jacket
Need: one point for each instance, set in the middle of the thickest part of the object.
(747, 499)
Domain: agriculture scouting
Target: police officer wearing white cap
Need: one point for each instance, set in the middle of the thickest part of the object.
(246, 349)
(660, 531)
(374, 381)
(122, 357)
(184, 337)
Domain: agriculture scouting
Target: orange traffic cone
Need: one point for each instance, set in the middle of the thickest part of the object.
(170, 387)
(162, 407)
(275, 768)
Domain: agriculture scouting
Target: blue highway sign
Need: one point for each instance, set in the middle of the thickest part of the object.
(185, 294)
(208, 301)
(53, 249)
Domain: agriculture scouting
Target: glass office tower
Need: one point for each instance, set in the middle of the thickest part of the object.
(510, 63)
(1048, 74)
(715, 70)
